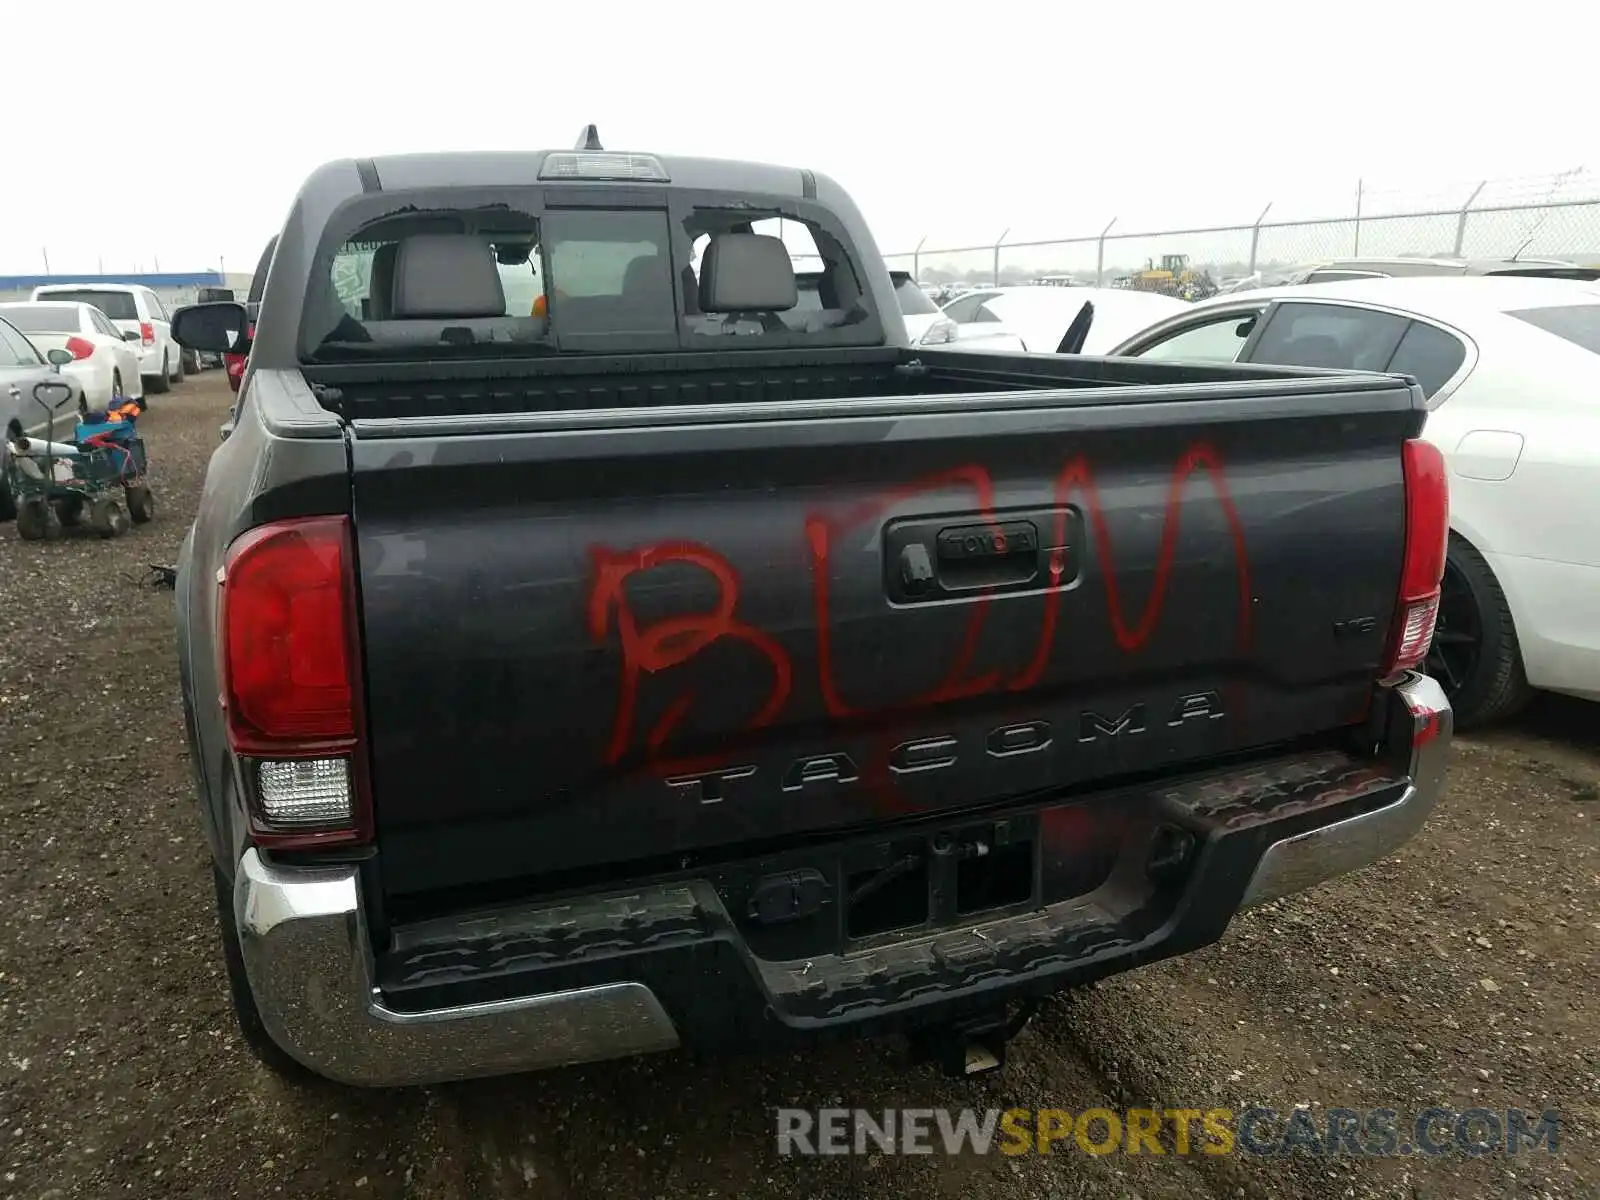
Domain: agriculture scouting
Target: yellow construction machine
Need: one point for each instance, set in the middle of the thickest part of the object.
(1175, 277)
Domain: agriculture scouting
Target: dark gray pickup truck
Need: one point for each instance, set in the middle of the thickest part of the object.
(586, 651)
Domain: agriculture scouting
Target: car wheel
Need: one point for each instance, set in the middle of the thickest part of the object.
(162, 382)
(116, 386)
(181, 370)
(254, 1031)
(1475, 655)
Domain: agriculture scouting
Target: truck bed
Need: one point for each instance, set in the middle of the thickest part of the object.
(617, 624)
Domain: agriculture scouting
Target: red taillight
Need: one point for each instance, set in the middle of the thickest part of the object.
(291, 680)
(147, 333)
(80, 348)
(1427, 536)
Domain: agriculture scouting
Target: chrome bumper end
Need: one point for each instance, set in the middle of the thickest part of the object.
(303, 936)
(1297, 863)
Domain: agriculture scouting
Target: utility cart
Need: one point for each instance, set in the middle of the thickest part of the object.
(99, 479)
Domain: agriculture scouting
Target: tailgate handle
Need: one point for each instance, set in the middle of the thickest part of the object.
(966, 556)
(990, 554)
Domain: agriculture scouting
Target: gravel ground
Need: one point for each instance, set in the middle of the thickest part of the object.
(1461, 972)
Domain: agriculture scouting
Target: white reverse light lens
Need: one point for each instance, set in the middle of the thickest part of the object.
(305, 791)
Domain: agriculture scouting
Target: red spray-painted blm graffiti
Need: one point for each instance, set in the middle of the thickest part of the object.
(673, 641)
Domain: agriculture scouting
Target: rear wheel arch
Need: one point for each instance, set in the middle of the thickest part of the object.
(1475, 538)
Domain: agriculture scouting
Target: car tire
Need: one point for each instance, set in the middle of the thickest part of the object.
(1475, 654)
(159, 383)
(182, 371)
(251, 1028)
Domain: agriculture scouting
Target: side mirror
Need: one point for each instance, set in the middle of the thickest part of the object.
(1242, 330)
(221, 327)
(132, 335)
(59, 357)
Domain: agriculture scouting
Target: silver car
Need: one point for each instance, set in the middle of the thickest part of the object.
(21, 367)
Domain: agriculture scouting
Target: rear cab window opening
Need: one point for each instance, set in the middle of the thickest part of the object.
(581, 270)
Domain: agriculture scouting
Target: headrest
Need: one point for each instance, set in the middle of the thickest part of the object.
(444, 276)
(380, 280)
(746, 272)
(642, 274)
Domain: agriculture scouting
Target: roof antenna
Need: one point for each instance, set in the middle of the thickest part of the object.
(589, 139)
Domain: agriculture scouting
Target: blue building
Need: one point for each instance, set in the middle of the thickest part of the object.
(174, 287)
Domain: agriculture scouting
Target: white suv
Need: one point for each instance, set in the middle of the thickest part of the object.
(136, 311)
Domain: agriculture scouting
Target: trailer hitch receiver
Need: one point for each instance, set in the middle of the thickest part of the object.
(974, 1045)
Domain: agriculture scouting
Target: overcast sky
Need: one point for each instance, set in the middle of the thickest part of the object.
(132, 148)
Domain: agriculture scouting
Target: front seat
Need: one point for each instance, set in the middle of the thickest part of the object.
(646, 297)
(447, 289)
(748, 276)
(445, 276)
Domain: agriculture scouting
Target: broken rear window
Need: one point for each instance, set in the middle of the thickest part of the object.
(492, 282)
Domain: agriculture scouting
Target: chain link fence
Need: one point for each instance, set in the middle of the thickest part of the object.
(1566, 228)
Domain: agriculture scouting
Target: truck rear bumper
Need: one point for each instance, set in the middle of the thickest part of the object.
(664, 964)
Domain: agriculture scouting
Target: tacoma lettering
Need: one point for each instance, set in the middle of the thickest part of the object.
(1092, 726)
(710, 787)
(924, 754)
(1200, 705)
(819, 768)
(939, 751)
(1019, 739)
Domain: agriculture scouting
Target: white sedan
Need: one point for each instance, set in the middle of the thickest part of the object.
(1035, 318)
(105, 362)
(1511, 371)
